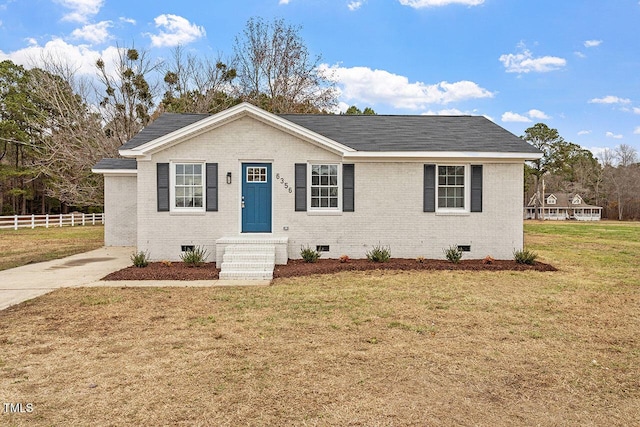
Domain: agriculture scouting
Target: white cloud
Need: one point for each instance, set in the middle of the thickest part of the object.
(580, 54)
(610, 99)
(418, 4)
(80, 58)
(93, 33)
(592, 43)
(537, 114)
(527, 117)
(446, 112)
(354, 5)
(584, 132)
(636, 131)
(175, 30)
(636, 110)
(363, 85)
(128, 20)
(284, 2)
(524, 62)
(515, 117)
(81, 10)
(613, 135)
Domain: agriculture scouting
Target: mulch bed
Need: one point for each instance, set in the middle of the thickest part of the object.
(180, 271)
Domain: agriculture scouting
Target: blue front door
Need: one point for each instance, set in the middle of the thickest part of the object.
(256, 198)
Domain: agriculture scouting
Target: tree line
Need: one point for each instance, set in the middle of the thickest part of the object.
(612, 183)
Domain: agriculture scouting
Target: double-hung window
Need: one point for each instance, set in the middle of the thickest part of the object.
(451, 188)
(325, 187)
(188, 186)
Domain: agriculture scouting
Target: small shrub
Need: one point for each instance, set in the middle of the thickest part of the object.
(421, 259)
(453, 254)
(379, 254)
(195, 257)
(309, 255)
(525, 256)
(140, 259)
(344, 258)
(488, 260)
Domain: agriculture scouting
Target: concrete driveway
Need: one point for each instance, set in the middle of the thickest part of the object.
(29, 281)
(23, 283)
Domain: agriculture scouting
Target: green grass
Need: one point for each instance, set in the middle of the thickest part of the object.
(26, 246)
(604, 250)
(508, 348)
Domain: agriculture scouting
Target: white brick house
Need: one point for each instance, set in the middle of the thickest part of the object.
(342, 184)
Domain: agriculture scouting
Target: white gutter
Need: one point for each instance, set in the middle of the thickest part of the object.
(440, 155)
(116, 172)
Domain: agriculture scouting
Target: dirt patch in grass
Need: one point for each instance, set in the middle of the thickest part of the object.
(297, 268)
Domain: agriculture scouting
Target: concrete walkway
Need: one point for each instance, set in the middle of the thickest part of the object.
(84, 270)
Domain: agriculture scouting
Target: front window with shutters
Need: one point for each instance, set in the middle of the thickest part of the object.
(188, 188)
(325, 185)
(451, 187)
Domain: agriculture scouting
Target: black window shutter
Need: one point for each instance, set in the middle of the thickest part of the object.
(476, 188)
(348, 184)
(301, 187)
(429, 188)
(162, 177)
(212, 187)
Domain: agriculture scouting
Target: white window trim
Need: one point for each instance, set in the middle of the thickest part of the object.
(320, 210)
(467, 191)
(172, 187)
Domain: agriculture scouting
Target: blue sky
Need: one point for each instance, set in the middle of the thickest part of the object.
(572, 64)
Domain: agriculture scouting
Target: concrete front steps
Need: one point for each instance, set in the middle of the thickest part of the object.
(248, 262)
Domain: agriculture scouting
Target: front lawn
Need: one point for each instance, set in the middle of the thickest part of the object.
(357, 348)
(26, 245)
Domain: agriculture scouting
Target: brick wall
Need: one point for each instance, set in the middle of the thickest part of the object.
(120, 210)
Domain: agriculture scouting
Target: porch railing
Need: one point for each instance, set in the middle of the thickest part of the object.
(33, 221)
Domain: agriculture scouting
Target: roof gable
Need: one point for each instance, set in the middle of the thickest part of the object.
(173, 129)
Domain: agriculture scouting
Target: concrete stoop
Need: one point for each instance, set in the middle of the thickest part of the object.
(248, 262)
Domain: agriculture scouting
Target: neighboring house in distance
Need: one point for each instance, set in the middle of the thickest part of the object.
(337, 183)
(562, 206)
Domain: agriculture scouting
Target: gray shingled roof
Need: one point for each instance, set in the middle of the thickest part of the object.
(112, 164)
(163, 125)
(414, 133)
(379, 133)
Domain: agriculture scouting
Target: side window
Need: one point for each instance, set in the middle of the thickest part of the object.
(451, 187)
(188, 186)
(325, 187)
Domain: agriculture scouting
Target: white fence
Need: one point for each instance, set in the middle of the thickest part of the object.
(33, 221)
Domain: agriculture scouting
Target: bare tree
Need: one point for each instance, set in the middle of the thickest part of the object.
(277, 72)
(622, 180)
(196, 85)
(128, 96)
(626, 155)
(70, 134)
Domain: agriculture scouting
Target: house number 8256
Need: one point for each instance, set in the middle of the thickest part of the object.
(282, 181)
